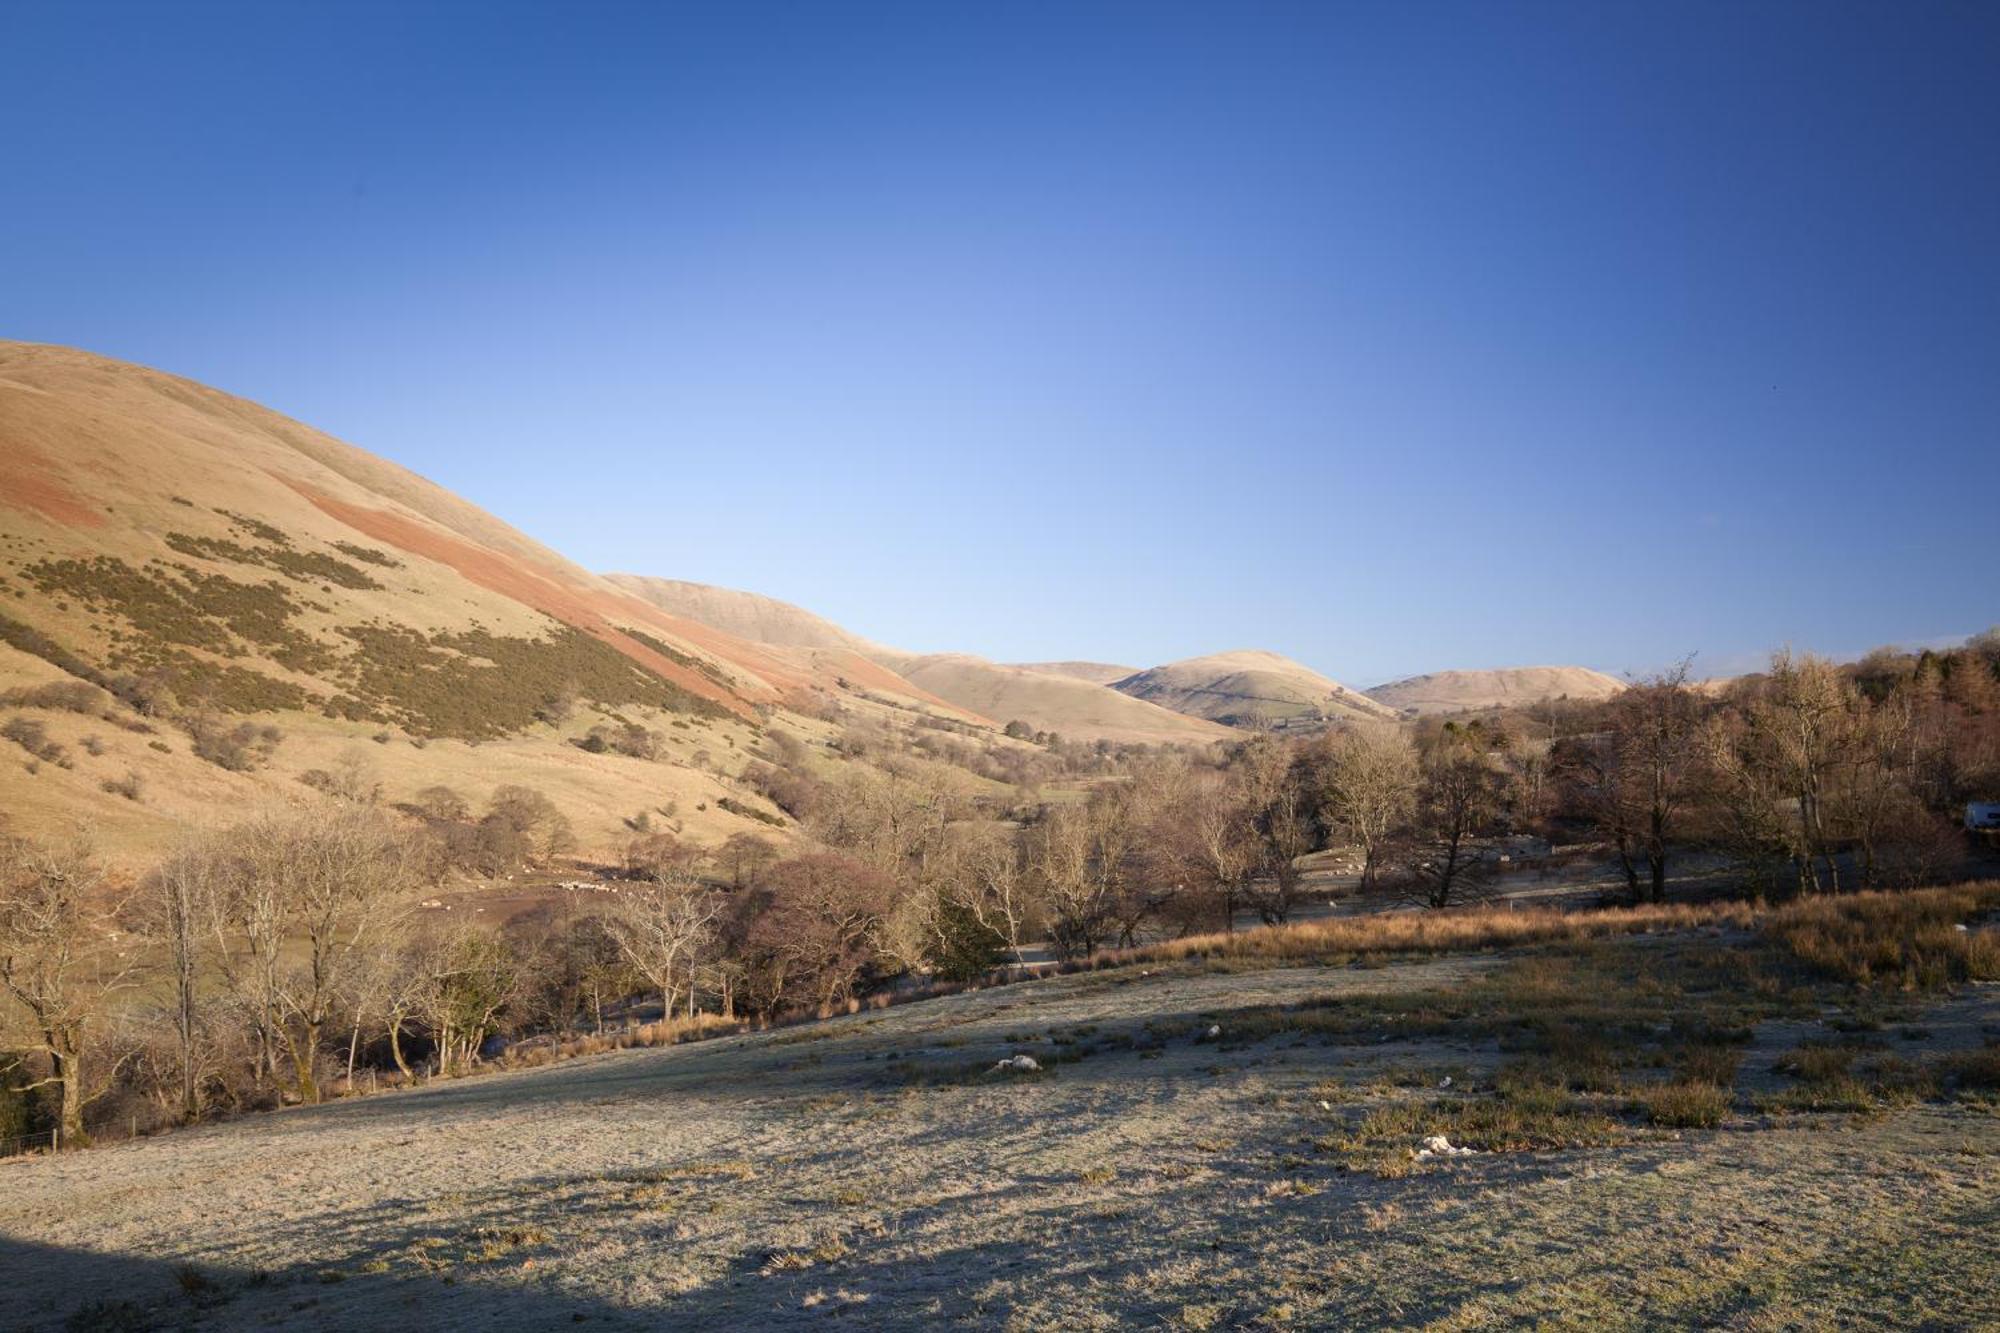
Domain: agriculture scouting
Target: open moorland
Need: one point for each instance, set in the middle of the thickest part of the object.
(1757, 1119)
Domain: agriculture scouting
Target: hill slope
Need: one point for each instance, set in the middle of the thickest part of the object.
(1097, 673)
(1065, 702)
(1249, 686)
(1069, 707)
(747, 615)
(1450, 691)
(203, 558)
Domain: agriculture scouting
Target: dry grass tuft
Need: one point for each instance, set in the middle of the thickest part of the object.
(1975, 1073)
(1909, 941)
(1685, 1105)
(1517, 1119)
(1847, 1077)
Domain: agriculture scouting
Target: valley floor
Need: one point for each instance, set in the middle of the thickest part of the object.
(875, 1171)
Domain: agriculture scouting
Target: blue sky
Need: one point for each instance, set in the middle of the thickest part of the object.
(1393, 337)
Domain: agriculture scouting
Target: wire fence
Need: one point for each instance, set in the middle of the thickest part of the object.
(46, 1141)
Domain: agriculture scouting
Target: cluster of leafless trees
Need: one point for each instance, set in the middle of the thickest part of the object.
(291, 955)
(1812, 776)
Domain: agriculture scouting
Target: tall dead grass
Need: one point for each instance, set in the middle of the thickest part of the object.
(1921, 940)
(1918, 939)
(666, 1032)
(1416, 933)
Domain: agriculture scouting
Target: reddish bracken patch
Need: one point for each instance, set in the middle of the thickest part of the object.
(30, 481)
(511, 578)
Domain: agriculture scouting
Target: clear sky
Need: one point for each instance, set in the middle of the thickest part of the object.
(1393, 337)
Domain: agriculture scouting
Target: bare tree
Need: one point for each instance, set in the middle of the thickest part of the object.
(663, 924)
(816, 937)
(1649, 766)
(1220, 837)
(743, 856)
(1457, 801)
(461, 979)
(997, 886)
(1371, 790)
(303, 893)
(524, 821)
(1801, 734)
(1273, 780)
(57, 963)
(1073, 892)
(179, 901)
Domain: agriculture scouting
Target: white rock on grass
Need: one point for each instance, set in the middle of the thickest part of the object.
(1437, 1145)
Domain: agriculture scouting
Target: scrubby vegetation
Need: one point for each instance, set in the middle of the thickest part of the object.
(479, 684)
(32, 736)
(68, 696)
(304, 566)
(675, 655)
(367, 555)
(240, 748)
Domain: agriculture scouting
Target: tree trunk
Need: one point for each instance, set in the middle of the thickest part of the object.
(1656, 854)
(1631, 868)
(68, 1069)
(396, 1045)
(304, 1055)
(184, 1028)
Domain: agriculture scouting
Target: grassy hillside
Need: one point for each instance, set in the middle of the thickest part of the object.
(1071, 703)
(208, 565)
(1250, 687)
(1097, 673)
(1074, 708)
(1508, 687)
(747, 615)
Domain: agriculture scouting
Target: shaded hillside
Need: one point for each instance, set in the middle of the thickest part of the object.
(1452, 691)
(1250, 687)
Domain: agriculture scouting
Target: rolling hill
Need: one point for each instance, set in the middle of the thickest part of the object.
(1453, 691)
(1249, 687)
(183, 562)
(1097, 673)
(1064, 702)
(747, 615)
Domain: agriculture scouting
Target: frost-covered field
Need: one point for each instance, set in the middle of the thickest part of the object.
(871, 1170)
